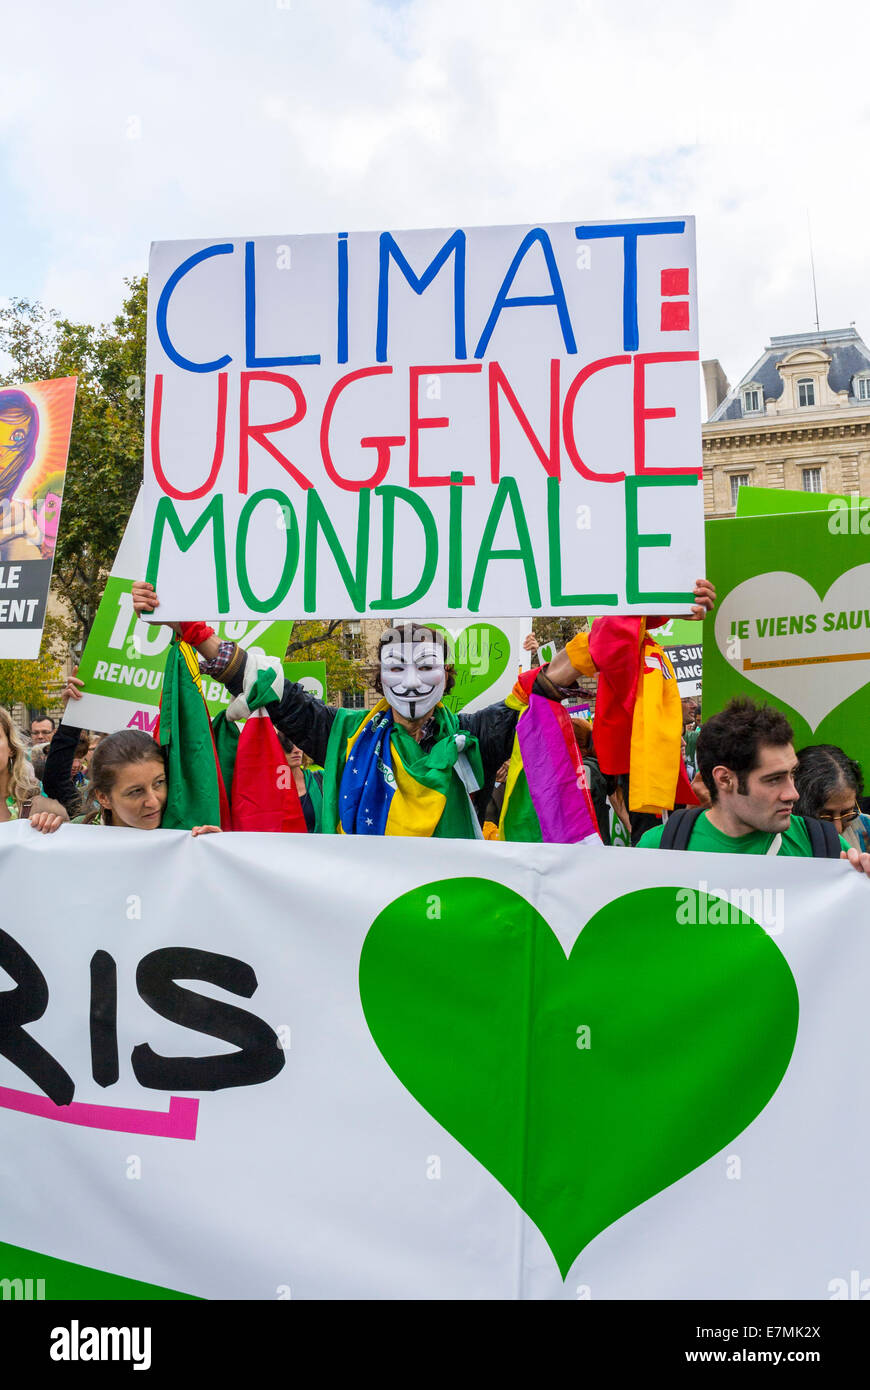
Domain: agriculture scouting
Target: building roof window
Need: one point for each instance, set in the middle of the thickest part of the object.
(753, 399)
(738, 480)
(806, 391)
(862, 386)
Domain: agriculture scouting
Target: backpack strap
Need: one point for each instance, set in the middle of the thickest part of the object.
(824, 839)
(678, 827)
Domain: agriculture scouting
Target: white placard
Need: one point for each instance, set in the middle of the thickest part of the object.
(480, 422)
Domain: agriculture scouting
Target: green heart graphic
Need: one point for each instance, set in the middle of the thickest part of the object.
(480, 654)
(473, 1004)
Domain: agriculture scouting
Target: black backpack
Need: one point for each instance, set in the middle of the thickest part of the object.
(679, 825)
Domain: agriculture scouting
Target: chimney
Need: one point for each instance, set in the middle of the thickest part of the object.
(715, 384)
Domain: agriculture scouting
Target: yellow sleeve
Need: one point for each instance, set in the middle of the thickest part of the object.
(578, 654)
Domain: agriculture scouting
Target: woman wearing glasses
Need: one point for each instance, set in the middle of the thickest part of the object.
(830, 786)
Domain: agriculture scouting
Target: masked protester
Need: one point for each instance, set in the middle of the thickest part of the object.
(409, 766)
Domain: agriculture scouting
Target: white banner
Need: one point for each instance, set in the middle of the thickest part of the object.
(481, 421)
(403, 1069)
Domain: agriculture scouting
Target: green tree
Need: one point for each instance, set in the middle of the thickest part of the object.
(326, 640)
(33, 683)
(107, 443)
(549, 628)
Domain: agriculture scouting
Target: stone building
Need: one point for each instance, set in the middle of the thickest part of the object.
(798, 419)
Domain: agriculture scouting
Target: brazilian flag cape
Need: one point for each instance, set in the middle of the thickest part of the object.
(378, 781)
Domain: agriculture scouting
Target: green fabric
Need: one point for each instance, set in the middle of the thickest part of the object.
(185, 732)
(795, 840)
(691, 744)
(12, 807)
(226, 743)
(433, 769)
(315, 791)
(519, 819)
(64, 1280)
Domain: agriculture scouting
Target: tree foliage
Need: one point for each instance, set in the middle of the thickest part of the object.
(34, 683)
(326, 640)
(558, 630)
(106, 447)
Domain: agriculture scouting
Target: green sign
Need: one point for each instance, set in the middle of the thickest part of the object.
(309, 674)
(792, 623)
(767, 501)
(123, 660)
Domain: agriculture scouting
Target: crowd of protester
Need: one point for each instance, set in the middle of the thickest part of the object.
(750, 791)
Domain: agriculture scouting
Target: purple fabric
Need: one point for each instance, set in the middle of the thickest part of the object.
(563, 809)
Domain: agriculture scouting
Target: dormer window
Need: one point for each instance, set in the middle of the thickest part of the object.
(806, 391)
(753, 400)
(862, 387)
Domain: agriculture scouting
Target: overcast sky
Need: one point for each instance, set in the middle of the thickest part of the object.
(123, 123)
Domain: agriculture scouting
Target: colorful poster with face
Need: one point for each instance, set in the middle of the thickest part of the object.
(35, 425)
(473, 421)
(123, 660)
(791, 626)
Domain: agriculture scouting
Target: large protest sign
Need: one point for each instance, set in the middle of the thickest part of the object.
(792, 623)
(483, 421)
(433, 1069)
(35, 425)
(124, 657)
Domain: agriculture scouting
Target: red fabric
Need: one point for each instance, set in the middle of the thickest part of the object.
(523, 688)
(614, 645)
(684, 796)
(264, 793)
(195, 633)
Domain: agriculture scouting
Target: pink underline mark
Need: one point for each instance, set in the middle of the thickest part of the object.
(179, 1122)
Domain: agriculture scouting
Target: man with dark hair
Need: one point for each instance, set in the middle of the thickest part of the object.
(747, 762)
(41, 729)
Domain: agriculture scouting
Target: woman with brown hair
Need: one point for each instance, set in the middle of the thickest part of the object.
(126, 774)
(20, 796)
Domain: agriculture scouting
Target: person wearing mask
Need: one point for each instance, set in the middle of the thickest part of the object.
(410, 765)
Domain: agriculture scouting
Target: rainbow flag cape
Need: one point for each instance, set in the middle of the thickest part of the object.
(377, 781)
(546, 793)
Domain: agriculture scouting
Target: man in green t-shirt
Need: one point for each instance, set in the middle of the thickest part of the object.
(747, 762)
